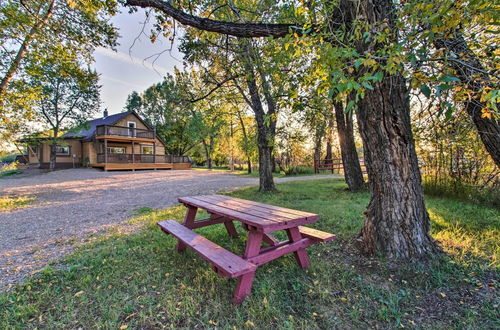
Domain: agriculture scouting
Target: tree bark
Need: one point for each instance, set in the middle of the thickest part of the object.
(317, 150)
(352, 169)
(53, 155)
(467, 66)
(266, 131)
(245, 137)
(396, 224)
(230, 28)
(329, 138)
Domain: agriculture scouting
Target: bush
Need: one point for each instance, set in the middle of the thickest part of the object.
(488, 195)
(298, 170)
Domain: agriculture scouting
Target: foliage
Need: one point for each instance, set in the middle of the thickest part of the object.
(69, 94)
(138, 280)
(453, 161)
(163, 107)
(35, 31)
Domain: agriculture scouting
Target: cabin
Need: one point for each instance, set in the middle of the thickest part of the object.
(122, 141)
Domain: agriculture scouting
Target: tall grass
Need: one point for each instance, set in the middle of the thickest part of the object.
(488, 195)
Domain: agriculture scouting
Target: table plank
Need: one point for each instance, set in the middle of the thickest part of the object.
(227, 212)
(267, 206)
(269, 209)
(248, 209)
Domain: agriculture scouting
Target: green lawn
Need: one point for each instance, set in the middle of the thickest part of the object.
(138, 280)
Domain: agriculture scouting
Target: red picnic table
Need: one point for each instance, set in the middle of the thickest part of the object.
(260, 220)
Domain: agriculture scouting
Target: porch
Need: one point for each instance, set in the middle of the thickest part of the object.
(112, 161)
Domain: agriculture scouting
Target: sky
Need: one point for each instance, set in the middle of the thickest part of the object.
(128, 68)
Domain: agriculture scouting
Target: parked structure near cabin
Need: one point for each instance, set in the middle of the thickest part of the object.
(122, 141)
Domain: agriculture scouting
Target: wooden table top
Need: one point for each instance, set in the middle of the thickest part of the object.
(267, 217)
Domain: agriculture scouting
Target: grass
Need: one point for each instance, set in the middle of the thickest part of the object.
(7, 173)
(292, 171)
(488, 195)
(138, 280)
(9, 202)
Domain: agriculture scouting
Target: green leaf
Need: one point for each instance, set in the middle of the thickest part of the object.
(444, 87)
(349, 106)
(449, 79)
(425, 90)
(367, 85)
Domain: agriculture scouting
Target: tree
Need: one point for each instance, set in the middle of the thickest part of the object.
(133, 102)
(258, 82)
(397, 223)
(31, 30)
(164, 107)
(69, 96)
(350, 160)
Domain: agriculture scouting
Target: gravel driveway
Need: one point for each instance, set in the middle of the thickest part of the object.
(72, 204)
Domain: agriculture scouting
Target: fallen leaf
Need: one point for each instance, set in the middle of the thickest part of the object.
(442, 294)
(250, 324)
(78, 294)
(123, 327)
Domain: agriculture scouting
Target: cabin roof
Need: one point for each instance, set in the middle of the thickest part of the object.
(87, 133)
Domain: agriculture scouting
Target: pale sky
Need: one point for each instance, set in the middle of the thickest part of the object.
(127, 69)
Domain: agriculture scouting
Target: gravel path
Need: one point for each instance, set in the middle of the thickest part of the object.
(72, 204)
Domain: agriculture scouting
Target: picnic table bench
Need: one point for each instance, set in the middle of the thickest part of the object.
(259, 220)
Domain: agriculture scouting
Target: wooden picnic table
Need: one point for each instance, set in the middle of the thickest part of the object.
(259, 220)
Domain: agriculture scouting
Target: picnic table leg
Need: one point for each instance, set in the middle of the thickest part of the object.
(231, 230)
(301, 254)
(266, 238)
(188, 222)
(244, 285)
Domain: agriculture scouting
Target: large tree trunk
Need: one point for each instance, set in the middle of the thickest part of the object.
(352, 169)
(266, 130)
(53, 155)
(470, 71)
(397, 224)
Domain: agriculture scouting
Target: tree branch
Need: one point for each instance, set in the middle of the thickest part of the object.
(217, 86)
(248, 30)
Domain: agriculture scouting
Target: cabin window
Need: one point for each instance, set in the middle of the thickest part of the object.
(131, 128)
(116, 150)
(35, 149)
(62, 150)
(147, 150)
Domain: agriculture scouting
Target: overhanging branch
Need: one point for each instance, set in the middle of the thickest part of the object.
(246, 30)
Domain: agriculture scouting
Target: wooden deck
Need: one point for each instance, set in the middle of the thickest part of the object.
(124, 138)
(142, 166)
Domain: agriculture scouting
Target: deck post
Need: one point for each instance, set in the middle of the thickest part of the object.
(105, 151)
(133, 156)
(154, 153)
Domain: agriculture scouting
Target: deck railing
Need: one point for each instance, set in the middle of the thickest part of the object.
(140, 158)
(124, 131)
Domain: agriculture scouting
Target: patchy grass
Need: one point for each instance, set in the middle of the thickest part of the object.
(138, 280)
(7, 173)
(9, 202)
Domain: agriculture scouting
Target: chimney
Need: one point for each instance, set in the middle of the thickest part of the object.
(105, 113)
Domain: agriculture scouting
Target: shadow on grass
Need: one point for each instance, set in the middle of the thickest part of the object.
(140, 281)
